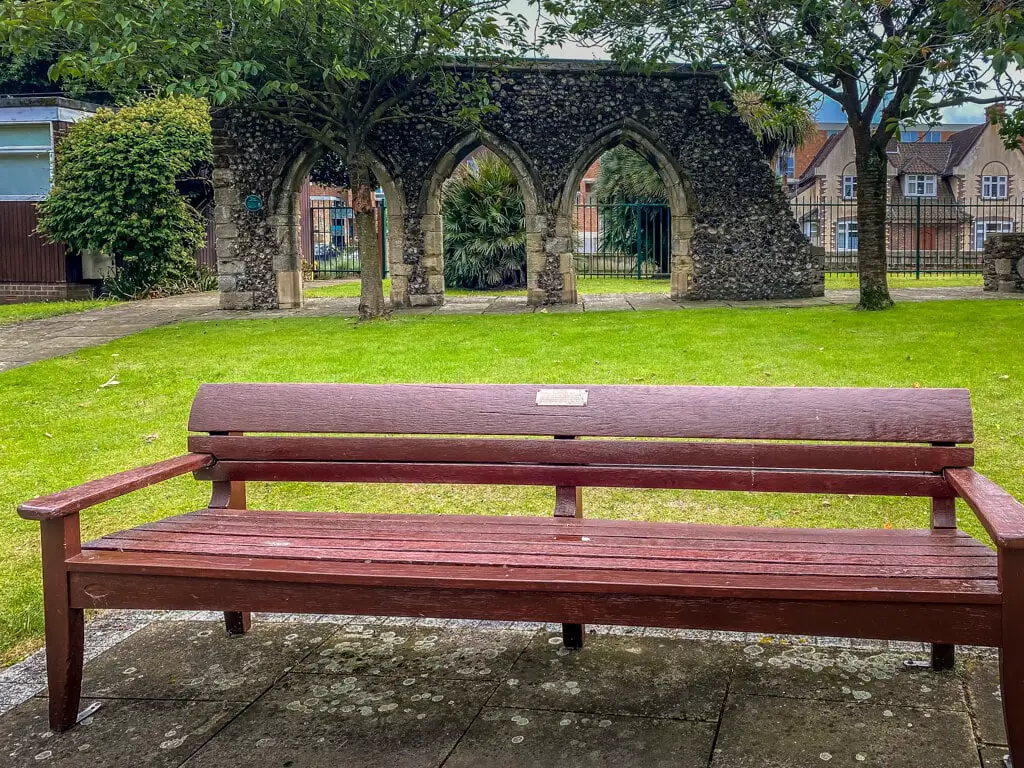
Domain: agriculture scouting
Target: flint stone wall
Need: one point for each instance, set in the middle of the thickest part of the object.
(734, 236)
(1003, 263)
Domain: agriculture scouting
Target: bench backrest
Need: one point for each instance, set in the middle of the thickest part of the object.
(780, 439)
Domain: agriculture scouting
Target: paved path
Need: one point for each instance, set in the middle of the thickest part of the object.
(362, 692)
(33, 340)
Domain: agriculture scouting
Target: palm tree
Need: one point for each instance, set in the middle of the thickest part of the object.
(484, 227)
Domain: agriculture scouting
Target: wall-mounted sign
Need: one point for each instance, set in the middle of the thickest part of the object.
(254, 203)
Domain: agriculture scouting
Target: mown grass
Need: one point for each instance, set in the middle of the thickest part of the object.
(60, 427)
(34, 310)
(592, 285)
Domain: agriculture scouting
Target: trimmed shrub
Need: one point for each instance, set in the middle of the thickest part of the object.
(114, 192)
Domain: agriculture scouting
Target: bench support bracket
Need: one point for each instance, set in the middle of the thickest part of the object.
(65, 626)
(569, 504)
(231, 495)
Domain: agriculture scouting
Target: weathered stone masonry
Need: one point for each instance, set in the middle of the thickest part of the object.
(733, 234)
(1003, 263)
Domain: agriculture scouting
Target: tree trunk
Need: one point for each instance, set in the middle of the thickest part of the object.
(872, 190)
(371, 290)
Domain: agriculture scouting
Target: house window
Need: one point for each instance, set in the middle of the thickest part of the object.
(849, 187)
(908, 136)
(932, 137)
(846, 235)
(994, 187)
(26, 161)
(787, 165)
(983, 229)
(810, 227)
(920, 185)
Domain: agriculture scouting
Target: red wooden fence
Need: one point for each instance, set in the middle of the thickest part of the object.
(26, 257)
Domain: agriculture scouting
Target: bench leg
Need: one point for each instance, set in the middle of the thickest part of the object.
(943, 657)
(573, 636)
(237, 623)
(1011, 662)
(65, 626)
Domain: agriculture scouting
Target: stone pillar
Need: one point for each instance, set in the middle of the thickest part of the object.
(682, 260)
(430, 291)
(231, 271)
(550, 272)
(1003, 263)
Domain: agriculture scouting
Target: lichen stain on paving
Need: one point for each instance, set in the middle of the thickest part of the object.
(476, 655)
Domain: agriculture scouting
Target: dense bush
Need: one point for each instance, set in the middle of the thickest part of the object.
(484, 227)
(115, 192)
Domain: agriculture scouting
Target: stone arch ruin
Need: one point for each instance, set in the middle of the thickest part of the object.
(733, 234)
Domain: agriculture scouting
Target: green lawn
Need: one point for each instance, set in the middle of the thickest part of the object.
(61, 427)
(591, 285)
(16, 313)
(834, 282)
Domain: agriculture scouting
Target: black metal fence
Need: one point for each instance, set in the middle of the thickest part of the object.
(924, 236)
(622, 239)
(334, 245)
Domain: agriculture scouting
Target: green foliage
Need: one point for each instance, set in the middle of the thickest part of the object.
(633, 208)
(114, 191)
(484, 227)
(331, 69)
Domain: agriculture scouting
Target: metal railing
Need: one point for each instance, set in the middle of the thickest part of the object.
(924, 236)
(622, 239)
(333, 250)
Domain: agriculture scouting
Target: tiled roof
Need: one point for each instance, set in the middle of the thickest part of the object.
(961, 143)
(822, 153)
(921, 157)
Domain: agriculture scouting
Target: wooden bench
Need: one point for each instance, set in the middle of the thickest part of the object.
(935, 585)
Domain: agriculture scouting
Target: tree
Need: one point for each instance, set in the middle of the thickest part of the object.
(334, 70)
(885, 62)
(115, 190)
(484, 227)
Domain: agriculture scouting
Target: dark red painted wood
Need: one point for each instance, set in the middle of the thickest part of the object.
(764, 413)
(879, 618)
(25, 256)
(1011, 655)
(106, 488)
(759, 480)
(65, 624)
(1000, 513)
(902, 458)
(602, 581)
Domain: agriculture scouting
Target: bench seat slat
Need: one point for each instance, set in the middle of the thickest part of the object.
(297, 546)
(903, 458)
(765, 586)
(188, 524)
(744, 413)
(753, 480)
(411, 525)
(559, 562)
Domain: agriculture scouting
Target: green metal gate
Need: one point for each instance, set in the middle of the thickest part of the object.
(622, 239)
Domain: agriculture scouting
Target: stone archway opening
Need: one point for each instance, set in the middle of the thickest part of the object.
(312, 236)
(477, 167)
(625, 211)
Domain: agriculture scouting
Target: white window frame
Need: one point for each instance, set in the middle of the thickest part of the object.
(995, 187)
(843, 240)
(30, 150)
(921, 185)
(982, 229)
(849, 187)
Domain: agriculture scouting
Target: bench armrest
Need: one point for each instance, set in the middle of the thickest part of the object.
(94, 492)
(1000, 513)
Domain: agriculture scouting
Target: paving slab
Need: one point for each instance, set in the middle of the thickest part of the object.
(416, 652)
(993, 757)
(199, 661)
(777, 732)
(649, 677)
(810, 672)
(356, 722)
(121, 734)
(524, 738)
(981, 678)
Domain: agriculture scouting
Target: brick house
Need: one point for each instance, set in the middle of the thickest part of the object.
(949, 188)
